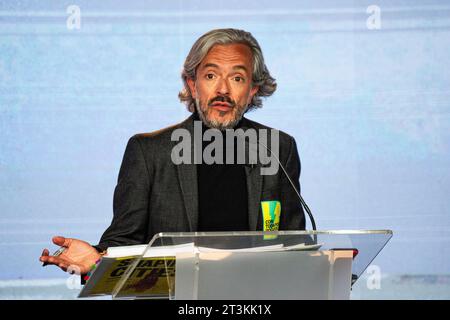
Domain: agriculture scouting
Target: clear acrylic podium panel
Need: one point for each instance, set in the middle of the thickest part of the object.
(366, 244)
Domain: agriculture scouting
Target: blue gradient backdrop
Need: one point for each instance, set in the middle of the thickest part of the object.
(370, 111)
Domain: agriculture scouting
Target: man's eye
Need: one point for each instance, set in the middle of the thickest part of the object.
(209, 76)
(239, 79)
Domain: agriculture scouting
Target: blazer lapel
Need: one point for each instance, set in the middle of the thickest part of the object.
(187, 176)
(254, 185)
(254, 182)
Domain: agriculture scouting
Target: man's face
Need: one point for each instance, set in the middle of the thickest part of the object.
(223, 87)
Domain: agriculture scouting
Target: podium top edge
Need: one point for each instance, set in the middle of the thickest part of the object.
(287, 233)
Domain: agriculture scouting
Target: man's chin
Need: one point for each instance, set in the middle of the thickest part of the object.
(220, 120)
(220, 124)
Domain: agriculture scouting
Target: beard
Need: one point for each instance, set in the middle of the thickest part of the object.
(206, 116)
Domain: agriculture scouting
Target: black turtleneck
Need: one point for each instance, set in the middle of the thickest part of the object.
(222, 191)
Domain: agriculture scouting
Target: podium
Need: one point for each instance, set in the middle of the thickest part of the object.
(263, 265)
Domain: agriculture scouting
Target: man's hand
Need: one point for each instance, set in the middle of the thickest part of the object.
(78, 254)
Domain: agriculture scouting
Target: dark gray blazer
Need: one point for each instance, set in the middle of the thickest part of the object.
(154, 195)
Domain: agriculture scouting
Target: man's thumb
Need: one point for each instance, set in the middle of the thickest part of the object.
(61, 241)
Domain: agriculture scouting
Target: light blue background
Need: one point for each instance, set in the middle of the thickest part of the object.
(369, 109)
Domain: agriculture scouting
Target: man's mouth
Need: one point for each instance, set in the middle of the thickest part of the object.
(222, 106)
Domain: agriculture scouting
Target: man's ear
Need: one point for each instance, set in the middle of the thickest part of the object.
(253, 91)
(191, 84)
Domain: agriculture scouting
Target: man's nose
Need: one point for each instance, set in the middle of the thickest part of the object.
(223, 87)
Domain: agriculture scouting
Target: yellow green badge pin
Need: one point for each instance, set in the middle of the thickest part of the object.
(271, 216)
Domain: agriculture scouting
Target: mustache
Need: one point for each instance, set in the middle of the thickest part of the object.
(222, 99)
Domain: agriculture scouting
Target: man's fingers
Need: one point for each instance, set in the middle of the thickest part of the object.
(51, 259)
(44, 259)
(61, 241)
(44, 255)
(57, 261)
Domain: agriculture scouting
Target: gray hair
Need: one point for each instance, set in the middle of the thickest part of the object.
(261, 76)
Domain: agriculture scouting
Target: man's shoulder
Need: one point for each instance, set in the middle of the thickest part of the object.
(284, 137)
(161, 135)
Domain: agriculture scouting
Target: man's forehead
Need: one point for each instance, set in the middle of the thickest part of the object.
(237, 54)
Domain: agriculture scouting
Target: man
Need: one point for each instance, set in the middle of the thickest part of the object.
(224, 76)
